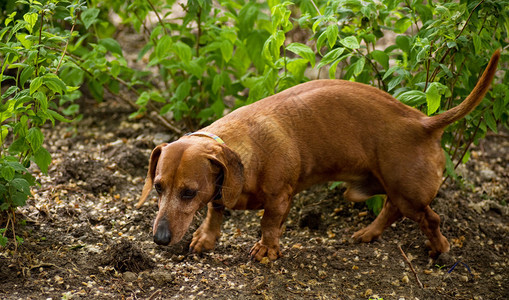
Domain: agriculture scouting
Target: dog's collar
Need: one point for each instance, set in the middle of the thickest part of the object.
(210, 135)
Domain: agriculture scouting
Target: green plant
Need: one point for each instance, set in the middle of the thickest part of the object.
(32, 91)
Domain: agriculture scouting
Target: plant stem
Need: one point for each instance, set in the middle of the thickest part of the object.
(38, 48)
(316, 7)
(467, 146)
(65, 48)
(428, 65)
(158, 17)
(378, 75)
(198, 15)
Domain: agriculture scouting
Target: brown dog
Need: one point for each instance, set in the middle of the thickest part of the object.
(319, 131)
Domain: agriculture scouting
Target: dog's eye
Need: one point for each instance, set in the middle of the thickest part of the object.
(158, 187)
(188, 194)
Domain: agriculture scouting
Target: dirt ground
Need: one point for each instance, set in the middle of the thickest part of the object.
(83, 238)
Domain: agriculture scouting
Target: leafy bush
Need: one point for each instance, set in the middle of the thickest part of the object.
(32, 91)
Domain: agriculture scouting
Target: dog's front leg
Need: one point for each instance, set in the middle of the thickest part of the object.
(273, 217)
(205, 237)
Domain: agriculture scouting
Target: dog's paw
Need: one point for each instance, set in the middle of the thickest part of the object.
(437, 249)
(202, 241)
(366, 235)
(259, 251)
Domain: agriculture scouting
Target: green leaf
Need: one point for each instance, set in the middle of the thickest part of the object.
(195, 67)
(35, 84)
(54, 83)
(183, 51)
(19, 145)
(412, 98)
(449, 166)
(375, 204)
(58, 116)
(16, 166)
(402, 25)
(498, 107)
(7, 172)
(381, 57)
(490, 121)
(350, 42)
(217, 82)
(390, 71)
(182, 91)
(42, 158)
(96, 89)
(89, 16)
(11, 90)
(35, 138)
(21, 185)
(394, 82)
(31, 19)
(19, 199)
(302, 50)
(432, 98)
(226, 50)
(112, 45)
(297, 67)
(25, 74)
(358, 66)
(21, 37)
(143, 99)
(404, 43)
(477, 44)
(4, 131)
(330, 57)
(332, 32)
(163, 47)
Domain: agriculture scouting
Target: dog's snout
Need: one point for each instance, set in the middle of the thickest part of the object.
(162, 236)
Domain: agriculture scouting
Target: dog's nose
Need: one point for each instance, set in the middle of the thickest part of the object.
(162, 235)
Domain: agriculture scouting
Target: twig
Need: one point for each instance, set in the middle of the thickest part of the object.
(155, 294)
(39, 45)
(411, 267)
(65, 49)
(316, 7)
(158, 17)
(158, 119)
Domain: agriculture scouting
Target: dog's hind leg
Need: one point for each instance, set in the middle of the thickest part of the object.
(429, 222)
(373, 231)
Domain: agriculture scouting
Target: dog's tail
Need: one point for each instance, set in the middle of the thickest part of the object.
(481, 88)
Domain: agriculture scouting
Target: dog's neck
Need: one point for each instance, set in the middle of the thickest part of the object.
(208, 134)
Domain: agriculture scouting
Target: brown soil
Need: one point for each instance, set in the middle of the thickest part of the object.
(84, 239)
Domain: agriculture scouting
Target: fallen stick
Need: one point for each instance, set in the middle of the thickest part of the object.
(411, 267)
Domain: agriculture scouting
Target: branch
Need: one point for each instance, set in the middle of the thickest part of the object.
(65, 48)
(158, 119)
(435, 72)
(38, 48)
(411, 267)
(158, 17)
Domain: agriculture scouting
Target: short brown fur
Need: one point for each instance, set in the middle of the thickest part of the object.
(319, 131)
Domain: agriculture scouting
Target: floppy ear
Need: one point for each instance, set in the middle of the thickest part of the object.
(233, 171)
(154, 158)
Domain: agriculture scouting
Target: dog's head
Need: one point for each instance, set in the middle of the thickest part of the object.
(187, 174)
